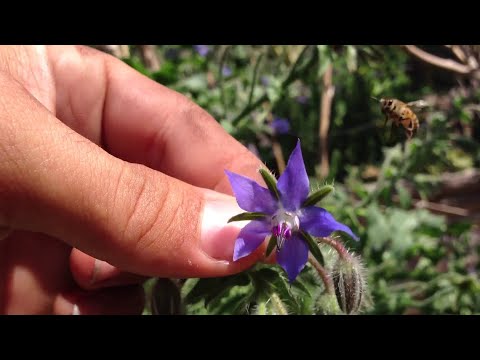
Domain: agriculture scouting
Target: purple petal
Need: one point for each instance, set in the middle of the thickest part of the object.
(250, 238)
(293, 256)
(319, 222)
(293, 184)
(265, 80)
(226, 71)
(251, 196)
(302, 99)
(202, 50)
(280, 126)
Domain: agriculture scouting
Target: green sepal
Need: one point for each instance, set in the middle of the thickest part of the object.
(248, 216)
(271, 245)
(271, 182)
(314, 249)
(318, 195)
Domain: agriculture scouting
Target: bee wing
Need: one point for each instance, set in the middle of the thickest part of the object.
(419, 104)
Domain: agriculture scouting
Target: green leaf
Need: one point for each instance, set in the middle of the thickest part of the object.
(137, 64)
(274, 93)
(208, 288)
(324, 59)
(314, 249)
(301, 287)
(227, 126)
(319, 195)
(167, 74)
(232, 301)
(271, 245)
(271, 182)
(404, 196)
(297, 297)
(247, 216)
(197, 82)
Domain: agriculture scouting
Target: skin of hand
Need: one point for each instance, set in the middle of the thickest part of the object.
(107, 178)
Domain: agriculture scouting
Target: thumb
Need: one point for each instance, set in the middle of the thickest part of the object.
(54, 181)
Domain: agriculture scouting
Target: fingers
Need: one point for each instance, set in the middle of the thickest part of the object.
(141, 121)
(54, 181)
(91, 273)
(111, 301)
(32, 269)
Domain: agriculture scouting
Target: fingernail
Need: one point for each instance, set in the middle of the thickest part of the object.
(76, 310)
(217, 235)
(106, 275)
(102, 271)
(65, 305)
(96, 266)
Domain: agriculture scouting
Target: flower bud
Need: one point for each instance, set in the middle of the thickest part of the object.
(349, 282)
(327, 304)
(165, 298)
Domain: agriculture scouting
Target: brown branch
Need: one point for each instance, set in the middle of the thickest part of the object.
(149, 57)
(437, 207)
(328, 92)
(447, 64)
(465, 55)
(462, 182)
(442, 208)
(458, 52)
(278, 154)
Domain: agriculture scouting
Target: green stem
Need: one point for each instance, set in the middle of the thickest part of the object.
(254, 79)
(220, 79)
(278, 305)
(291, 77)
(248, 109)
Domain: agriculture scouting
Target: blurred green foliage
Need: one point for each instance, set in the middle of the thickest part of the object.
(418, 262)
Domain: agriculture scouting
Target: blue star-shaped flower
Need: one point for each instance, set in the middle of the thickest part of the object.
(283, 215)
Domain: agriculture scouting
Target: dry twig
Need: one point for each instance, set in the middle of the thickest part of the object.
(328, 92)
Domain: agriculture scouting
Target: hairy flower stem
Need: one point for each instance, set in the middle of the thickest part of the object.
(327, 281)
(341, 250)
(278, 305)
(261, 309)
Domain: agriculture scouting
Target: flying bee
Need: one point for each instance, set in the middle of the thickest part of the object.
(400, 113)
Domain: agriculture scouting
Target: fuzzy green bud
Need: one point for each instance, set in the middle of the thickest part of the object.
(165, 298)
(348, 276)
(327, 304)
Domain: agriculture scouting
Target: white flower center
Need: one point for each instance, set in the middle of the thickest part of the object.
(284, 224)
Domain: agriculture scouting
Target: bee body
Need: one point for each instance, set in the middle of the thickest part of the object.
(400, 114)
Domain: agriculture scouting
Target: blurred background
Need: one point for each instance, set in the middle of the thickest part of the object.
(415, 204)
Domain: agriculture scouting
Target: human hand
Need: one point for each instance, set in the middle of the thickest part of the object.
(97, 159)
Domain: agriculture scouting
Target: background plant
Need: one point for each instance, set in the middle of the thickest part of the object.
(414, 204)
